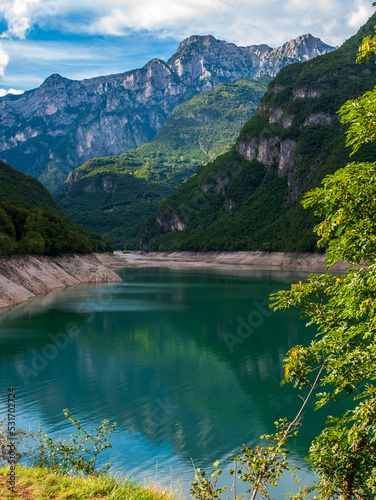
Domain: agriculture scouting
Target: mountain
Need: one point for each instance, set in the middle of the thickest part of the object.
(249, 198)
(49, 131)
(114, 195)
(32, 222)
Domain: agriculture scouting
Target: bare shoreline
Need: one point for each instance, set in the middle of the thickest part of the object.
(23, 277)
(236, 260)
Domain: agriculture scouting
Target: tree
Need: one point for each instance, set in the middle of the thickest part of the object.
(31, 243)
(6, 224)
(343, 308)
(340, 361)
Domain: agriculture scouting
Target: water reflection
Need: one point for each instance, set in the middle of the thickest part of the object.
(157, 354)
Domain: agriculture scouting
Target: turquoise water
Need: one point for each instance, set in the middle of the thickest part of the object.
(188, 362)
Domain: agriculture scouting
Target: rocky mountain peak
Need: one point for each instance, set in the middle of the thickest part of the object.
(155, 62)
(205, 40)
(260, 48)
(54, 80)
(304, 47)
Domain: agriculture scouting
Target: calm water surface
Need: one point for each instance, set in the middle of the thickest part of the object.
(188, 362)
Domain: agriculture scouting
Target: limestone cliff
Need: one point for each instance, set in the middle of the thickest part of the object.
(49, 131)
(282, 148)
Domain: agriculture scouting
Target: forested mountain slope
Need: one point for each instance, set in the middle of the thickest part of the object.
(249, 198)
(32, 223)
(24, 190)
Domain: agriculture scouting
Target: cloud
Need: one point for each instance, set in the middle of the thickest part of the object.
(18, 15)
(4, 60)
(50, 51)
(149, 14)
(361, 14)
(239, 21)
(249, 21)
(4, 92)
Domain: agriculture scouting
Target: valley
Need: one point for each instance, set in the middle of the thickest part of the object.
(187, 252)
(113, 195)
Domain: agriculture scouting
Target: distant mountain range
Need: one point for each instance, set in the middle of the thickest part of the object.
(249, 198)
(49, 131)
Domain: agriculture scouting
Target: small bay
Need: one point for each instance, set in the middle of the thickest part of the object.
(187, 361)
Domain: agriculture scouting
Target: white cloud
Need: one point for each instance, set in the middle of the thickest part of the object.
(4, 92)
(253, 21)
(4, 60)
(361, 14)
(46, 51)
(149, 14)
(18, 15)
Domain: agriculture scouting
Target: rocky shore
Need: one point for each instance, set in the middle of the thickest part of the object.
(24, 277)
(260, 260)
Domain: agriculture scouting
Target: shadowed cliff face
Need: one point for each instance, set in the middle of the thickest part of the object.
(49, 131)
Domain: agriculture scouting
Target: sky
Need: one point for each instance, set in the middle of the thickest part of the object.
(85, 38)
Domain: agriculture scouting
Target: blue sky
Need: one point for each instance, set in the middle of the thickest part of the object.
(86, 38)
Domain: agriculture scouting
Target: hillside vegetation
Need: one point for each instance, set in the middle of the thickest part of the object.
(249, 198)
(38, 483)
(114, 195)
(32, 223)
(24, 190)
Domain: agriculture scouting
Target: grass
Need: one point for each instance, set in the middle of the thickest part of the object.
(41, 484)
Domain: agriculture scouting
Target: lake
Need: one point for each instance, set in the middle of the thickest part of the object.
(187, 361)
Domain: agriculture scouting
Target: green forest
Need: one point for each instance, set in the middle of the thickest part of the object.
(32, 223)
